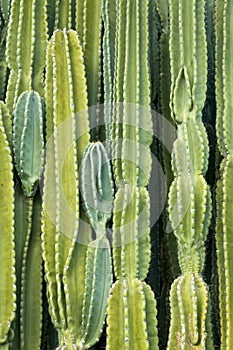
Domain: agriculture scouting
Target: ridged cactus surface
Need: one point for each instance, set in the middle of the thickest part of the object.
(116, 174)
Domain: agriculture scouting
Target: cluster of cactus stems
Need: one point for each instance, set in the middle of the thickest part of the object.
(82, 265)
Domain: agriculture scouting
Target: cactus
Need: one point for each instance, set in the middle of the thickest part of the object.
(189, 197)
(131, 136)
(6, 120)
(96, 200)
(28, 322)
(224, 11)
(109, 19)
(97, 190)
(89, 16)
(64, 246)
(25, 50)
(28, 146)
(7, 253)
(28, 140)
(4, 13)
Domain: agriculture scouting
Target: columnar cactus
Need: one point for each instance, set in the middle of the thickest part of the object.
(67, 132)
(28, 147)
(7, 253)
(25, 51)
(189, 197)
(224, 76)
(131, 303)
(89, 16)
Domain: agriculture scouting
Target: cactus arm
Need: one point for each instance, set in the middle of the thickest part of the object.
(31, 289)
(7, 254)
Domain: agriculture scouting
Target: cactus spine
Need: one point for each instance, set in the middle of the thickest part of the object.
(224, 97)
(7, 253)
(131, 303)
(189, 197)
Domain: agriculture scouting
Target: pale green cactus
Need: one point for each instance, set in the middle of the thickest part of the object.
(25, 51)
(224, 97)
(64, 98)
(97, 187)
(189, 197)
(131, 316)
(28, 143)
(7, 253)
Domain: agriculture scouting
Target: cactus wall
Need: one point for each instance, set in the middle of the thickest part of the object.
(116, 170)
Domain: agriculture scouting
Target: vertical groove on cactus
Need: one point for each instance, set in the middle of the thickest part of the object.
(224, 97)
(7, 253)
(25, 51)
